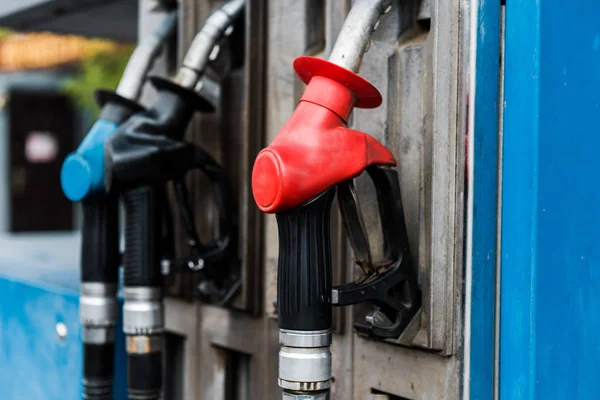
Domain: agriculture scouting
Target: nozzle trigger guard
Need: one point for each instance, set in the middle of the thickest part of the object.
(390, 284)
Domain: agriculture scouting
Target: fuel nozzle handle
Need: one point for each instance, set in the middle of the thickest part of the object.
(138, 159)
(296, 176)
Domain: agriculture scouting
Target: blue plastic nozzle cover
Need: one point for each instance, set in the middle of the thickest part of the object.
(82, 172)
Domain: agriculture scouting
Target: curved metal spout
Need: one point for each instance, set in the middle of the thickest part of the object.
(199, 54)
(356, 32)
(142, 58)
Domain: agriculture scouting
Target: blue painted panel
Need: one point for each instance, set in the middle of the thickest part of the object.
(519, 200)
(485, 165)
(551, 222)
(568, 283)
(34, 363)
(36, 293)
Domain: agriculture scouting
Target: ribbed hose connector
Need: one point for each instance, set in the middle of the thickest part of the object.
(98, 371)
(144, 367)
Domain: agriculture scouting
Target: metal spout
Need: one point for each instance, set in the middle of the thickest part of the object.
(204, 47)
(142, 58)
(355, 35)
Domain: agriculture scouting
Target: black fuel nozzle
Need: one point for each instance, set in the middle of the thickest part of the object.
(139, 159)
(145, 154)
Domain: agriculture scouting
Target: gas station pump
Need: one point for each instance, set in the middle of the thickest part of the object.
(316, 143)
(439, 277)
(404, 271)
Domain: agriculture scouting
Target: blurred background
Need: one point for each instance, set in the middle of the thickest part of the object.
(53, 56)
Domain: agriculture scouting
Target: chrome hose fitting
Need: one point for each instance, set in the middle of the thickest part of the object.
(143, 311)
(305, 363)
(98, 312)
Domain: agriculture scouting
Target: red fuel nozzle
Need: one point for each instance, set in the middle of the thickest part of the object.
(315, 150)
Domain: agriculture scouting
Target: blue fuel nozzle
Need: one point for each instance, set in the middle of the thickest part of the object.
(82, 172)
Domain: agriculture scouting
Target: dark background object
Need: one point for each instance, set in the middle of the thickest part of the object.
(41, 132)
(112, 19)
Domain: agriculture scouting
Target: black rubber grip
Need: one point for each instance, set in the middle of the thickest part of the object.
(144, 376)
(304, 270)
(118, 111)
(98, 371)
(143, 229)
(100, 239)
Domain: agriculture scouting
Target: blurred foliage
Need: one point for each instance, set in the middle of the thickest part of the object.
(100, 62)
(102, 70)
(4, 32)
